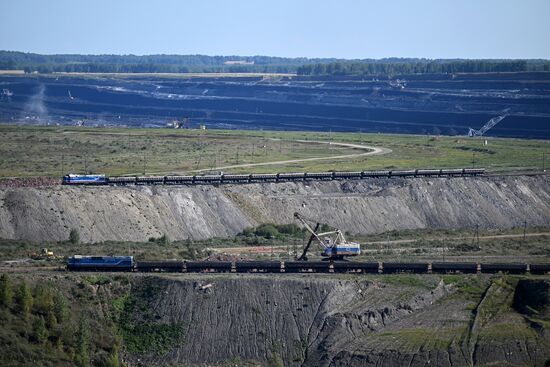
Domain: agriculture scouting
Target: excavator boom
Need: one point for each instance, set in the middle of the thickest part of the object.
(334, 248)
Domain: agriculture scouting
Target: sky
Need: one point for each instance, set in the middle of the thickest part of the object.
(291, 28)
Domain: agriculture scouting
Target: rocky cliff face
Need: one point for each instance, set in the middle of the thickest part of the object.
(325, 321)
(197, 212)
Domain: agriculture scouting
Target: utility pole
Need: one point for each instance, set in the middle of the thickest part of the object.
(475, 238)
(387, 237)
(144, 163)
(198, 162)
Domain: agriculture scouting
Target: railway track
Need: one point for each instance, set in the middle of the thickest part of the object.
(266, 177)
(281, 267)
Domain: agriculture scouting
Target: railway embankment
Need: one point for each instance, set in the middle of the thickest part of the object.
(298, 320)
(136, 213)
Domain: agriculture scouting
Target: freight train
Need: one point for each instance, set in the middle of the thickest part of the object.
(129, 264)
(74, 179)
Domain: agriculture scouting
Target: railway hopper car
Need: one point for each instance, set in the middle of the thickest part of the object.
(474, 171)
(356, 267)
(306, 266)
(100, 263)
(208, 266)
(319, 175)
(452, 172)
(503, 268)
(178, 180)
(346, 175)
(263, 177)
(150, 180)
(409, 173)
(168, 266)
(428, 172)
(226, 178)
(207, 179)
(391, 267)
(124, 180)
(258, 266)
(539, 268)
(449, 268)
(375, 174)
(300, 176)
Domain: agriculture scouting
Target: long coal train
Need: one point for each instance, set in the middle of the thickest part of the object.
(73, 179)
(127, 263)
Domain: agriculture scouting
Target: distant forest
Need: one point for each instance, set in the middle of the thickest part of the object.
(30, 62)
(423, 67)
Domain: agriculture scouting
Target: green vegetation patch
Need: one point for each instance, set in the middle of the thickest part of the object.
(471, 287)
(45, 323)
(501, 332)
(498, 299)
(99, 279)
(150, 337)
(416, 338)
(137, 322)
(408, 280)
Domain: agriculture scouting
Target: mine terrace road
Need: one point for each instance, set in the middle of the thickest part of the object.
(282, 249)
(369, 150)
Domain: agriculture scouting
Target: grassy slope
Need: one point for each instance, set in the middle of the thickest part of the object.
(38, 151)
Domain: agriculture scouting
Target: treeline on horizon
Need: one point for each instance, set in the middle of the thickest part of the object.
(31, 62)
(424, 67)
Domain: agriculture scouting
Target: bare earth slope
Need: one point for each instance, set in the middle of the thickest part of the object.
(378, 321)
(197, 212)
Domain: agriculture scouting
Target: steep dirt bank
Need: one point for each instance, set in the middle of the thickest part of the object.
(290, 320)
(378, 321)
(362, 206)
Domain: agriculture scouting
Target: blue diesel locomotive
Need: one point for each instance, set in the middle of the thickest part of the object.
(101, 263)
(73, 179)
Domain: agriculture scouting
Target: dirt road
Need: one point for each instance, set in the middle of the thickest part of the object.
(282, 249)
(368, 150)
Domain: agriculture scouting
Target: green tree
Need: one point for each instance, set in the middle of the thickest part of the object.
(164, 240)
(82, 356)
(267, 230)
(74, 236)
(43, 299)
(6, 290)
(39, 331)
(60, 306)
(113, 360)
(51, 320)
(24, 300)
